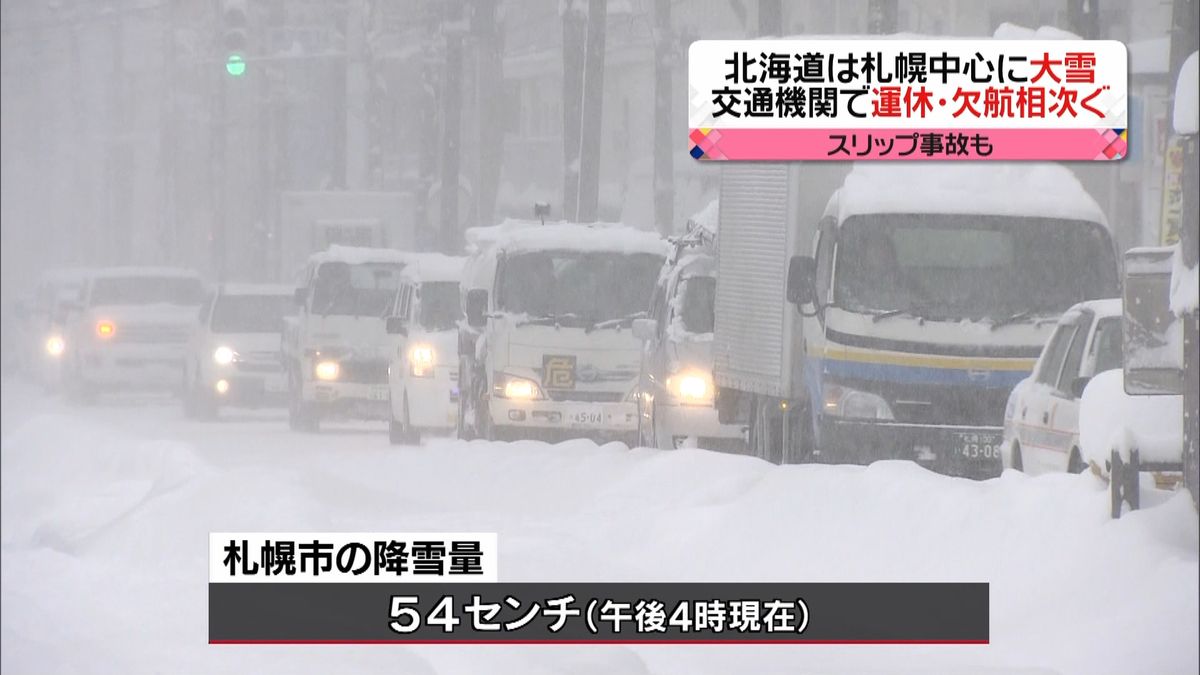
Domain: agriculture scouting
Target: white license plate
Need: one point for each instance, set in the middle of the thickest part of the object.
(379, 394)
(972, 445)
(589, 417)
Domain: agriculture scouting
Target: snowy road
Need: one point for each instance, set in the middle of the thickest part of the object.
(106, 512)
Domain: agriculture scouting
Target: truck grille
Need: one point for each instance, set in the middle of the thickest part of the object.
(152, 333)
(364, 371)
(588, 396)
(942, 404)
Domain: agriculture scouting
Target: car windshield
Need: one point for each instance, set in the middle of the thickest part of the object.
(146, 291)
(955, 266)
(441, 306)
(698, 297)
(360, 289)
(251, 313)
(1107, 345)
(578, 288)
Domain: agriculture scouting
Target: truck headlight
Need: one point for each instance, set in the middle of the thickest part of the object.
(224, 356)
(420, 360)
(691, 387)
(105, 329)
(55, 346)
(327, 370)
(851, 403)
(519, 388)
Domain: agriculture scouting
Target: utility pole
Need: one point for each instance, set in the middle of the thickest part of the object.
(664, 136)
(593, 113)
(489, 76)
(452, 31)
(1083, 16)
(574, 35)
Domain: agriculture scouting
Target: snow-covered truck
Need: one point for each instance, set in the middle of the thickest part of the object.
(870, 312)
(548, 350)
(336, 349)
(310, 222)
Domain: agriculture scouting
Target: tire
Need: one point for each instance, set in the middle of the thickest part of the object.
(1075, 462)
(400, 432)
(1017, 462)
(765, 436)
(800, 440)
(302, 416)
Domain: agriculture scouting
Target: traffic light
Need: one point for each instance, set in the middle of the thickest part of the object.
(233, 39)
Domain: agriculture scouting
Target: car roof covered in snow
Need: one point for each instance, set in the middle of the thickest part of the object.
(1105, 308)
(579, 237)
(129, 272)
(1022, 189)
(256, 289)
(357, 255)
(434, 267)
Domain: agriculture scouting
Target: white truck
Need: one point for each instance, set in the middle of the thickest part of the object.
(423, 375)
(548, 351)
(310, 222)
(886, 311)
(130, 330)
(335, 350)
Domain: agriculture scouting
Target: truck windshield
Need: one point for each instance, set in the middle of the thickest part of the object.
(251, 313)
(359, 289)
(976, 267)
(698, 297)
(440, 305)
(577, 288)
(146, 291)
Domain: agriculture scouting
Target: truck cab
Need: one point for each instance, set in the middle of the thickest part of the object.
(336, 349)
(928, 294)
(548, 351)
(676, 393)
(423, 371)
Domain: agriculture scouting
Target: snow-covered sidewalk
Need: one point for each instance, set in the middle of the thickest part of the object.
(106, 512)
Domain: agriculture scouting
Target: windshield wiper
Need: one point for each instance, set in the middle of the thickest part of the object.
(1020, 316)
(613, 323)
(917, 310)
(546, 320)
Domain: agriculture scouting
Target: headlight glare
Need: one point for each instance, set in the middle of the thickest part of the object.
(327, 370)
(224, 356)
(420, 360)
(520, 388)
(55, 346)
(106, 329)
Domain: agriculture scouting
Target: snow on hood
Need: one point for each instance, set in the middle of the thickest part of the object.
(357, 255)
(1110, 419)
(984, 188)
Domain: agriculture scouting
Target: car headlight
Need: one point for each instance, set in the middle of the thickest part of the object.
(55, 346)
(852, 403)
(105, 329)
(224, 356)
(691, 387)
(327, 370)
(520, 388)
(420, 360)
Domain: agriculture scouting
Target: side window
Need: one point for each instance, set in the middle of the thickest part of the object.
(1106, 346)
(403, 301)
(414, 299)
(658, 304)
(1052, 357)
(1070, 369)
(825, 257)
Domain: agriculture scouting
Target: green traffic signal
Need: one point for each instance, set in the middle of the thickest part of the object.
(235, 65)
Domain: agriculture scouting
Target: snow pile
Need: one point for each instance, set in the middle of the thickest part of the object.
(1186, 114)
(131, 595)
(1043, 190)
(707, 218)
(1110, 419)
(1185, 285)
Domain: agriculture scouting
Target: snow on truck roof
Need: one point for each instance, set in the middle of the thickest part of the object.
(357, 255)
(580, 237)
(434, 267)
(990, 188)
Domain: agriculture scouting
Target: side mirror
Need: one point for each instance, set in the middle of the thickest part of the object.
(1078, 385)
(802, 280)
(300, 296)
(644, 329)
(477, 305)
(395, 326)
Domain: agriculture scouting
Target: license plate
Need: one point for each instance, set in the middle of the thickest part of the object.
(586, 417)
(977, 444)
(379, 394)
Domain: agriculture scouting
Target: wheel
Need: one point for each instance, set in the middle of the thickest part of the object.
(800, 438)
(400, 432)
(302, 416)
(1075, 462)
(1017, 462)
(765, 434)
